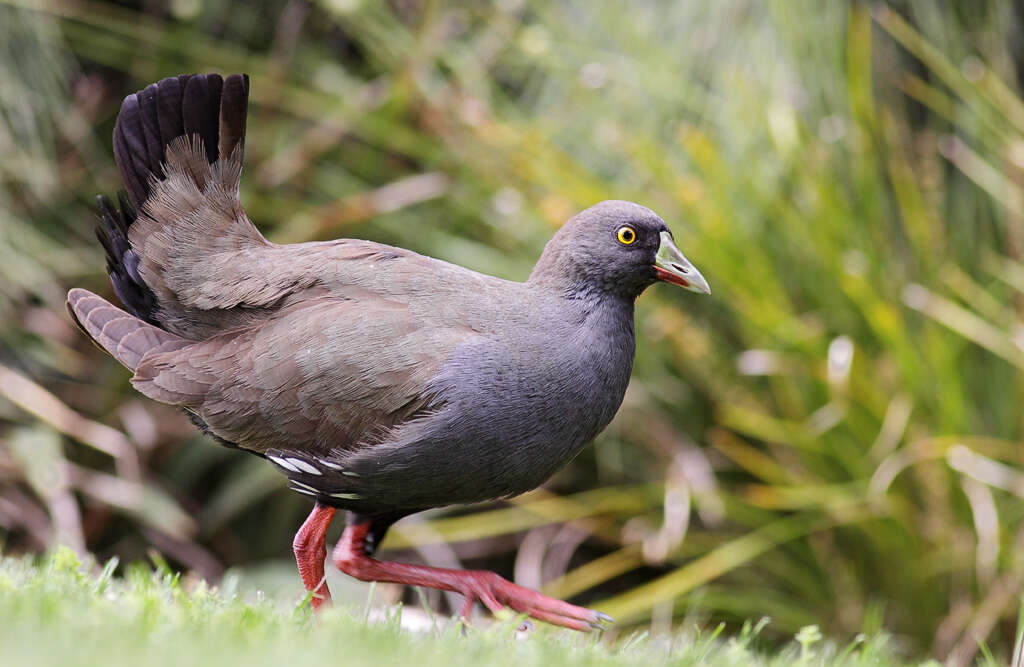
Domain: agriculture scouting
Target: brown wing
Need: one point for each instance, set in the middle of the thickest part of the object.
(321, 375)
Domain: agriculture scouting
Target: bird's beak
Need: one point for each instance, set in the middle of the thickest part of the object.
(672, 267)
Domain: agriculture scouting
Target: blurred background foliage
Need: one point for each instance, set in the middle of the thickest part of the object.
(835, 437)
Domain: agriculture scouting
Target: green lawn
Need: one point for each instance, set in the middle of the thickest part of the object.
(58, 611)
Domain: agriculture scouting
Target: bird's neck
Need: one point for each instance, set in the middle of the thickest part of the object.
(609, 315)
(602, 323)
(592, 290)
(604, 344)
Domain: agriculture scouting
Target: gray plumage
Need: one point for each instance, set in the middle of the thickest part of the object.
(378, 380)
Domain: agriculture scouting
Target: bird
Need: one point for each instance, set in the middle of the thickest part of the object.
(379, 381)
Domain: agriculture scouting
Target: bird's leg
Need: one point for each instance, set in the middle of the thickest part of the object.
(352, 557)
(310, 546)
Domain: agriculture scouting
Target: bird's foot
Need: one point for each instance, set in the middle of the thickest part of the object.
(497, 593)
(310, 551)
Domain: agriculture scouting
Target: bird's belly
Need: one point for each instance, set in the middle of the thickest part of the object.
(475, 463)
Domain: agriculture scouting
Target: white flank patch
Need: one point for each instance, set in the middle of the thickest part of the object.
(346, 496)
(328, 464)
(296, 484)
(303, 466)
(284, 463)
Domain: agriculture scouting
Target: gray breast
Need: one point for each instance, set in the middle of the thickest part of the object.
(514, 411)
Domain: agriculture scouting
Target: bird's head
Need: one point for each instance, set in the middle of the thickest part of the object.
(615, 247)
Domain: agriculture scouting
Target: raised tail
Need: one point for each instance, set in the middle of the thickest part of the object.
(191, 105)
(127, 338)
(183, 113)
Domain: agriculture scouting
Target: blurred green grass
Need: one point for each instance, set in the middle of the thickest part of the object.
(834, 438)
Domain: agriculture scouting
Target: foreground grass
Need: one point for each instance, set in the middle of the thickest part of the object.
(58, 611)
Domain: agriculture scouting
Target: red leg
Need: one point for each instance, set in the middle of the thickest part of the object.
(496, 593)
(310, 551)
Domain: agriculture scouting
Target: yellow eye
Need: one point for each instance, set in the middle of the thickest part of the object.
(626, 235)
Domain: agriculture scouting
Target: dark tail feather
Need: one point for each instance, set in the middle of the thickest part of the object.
(127, 338)
(122, 262)
(190, 104)
(204, 105)
(234, 102)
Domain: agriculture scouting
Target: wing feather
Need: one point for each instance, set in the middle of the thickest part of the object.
(323, 375)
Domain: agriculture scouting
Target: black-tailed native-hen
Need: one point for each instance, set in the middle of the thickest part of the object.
(379, 381)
